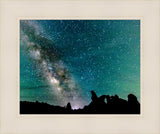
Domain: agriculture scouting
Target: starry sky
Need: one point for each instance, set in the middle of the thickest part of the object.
(61, 61)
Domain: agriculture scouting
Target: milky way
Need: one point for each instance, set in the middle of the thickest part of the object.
(48, 59)
(61, 61)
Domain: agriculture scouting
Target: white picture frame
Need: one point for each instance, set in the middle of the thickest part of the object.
(147, 122)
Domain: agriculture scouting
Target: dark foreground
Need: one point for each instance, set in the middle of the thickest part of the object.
(104, 104)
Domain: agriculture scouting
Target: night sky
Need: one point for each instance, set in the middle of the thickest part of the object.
(61, 61)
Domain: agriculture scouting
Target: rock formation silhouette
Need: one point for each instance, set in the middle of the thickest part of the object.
(104, 104)
(69, 106)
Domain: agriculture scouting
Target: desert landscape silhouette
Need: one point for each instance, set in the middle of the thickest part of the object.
(104, 104)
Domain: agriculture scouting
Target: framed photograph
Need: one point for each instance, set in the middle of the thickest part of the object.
(80, 67)
(62, 62)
